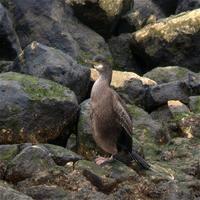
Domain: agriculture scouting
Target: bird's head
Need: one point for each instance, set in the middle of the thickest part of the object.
(101, 64)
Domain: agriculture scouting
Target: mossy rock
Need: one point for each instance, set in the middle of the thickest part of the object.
(171, 41)
(33, 109)
(168, 74)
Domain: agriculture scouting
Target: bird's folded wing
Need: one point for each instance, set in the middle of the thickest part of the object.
(121, 112)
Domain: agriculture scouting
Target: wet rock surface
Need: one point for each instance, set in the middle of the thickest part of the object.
(47, 151)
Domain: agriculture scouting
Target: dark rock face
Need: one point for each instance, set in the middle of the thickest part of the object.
(52, 23)
(167, 43)
(122, 54)
(185, 5)
(10, 46)
(33, 109)
(102, 16)
(168, 6)
(46, 62)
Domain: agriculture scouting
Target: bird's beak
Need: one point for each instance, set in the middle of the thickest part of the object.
(91, 62)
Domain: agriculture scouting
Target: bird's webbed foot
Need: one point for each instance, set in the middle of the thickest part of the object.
(102, 160)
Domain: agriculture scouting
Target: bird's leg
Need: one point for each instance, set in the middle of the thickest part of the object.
(102, 160)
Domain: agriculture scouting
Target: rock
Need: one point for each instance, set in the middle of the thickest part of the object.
(194, 104)
(46, 192)
(168, 6)
(31, 161)
(146, 130)
(61, 155)
(160, 94)
(7, 192)
(146, 9)
(107, 177)
(33, 109)
(52, 23)
(176, 108)
(5, 66)
(8, 152)
(10, 46)
(130, 22)
(102, 16)
(143, 13)
(186, 5)
(121, 53)
(86, 144)
(188, 122)
(168, 74)
(49, 63)
(171, 41)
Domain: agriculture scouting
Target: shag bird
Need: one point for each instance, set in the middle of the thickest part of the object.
(111, 122)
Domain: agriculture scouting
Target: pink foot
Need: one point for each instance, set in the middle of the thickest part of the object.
(101, 160)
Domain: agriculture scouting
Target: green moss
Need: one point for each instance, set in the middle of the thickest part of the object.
(8, 153)
(197, 106)
(39, 89)
(135, 111)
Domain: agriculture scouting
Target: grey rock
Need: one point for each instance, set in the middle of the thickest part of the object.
(30, 162)
(102, 16)
(49, 63)
(10, 46)
(160, 94)
(106, 178)
(8, 193)
(61, 155)
(185, 5)
(33, 109)
(45, 192)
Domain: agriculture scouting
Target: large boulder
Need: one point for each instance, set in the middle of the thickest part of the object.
(10, 46)
(52, 23)
(185, 5)
(49, 63)
(33, 109)
(168, 74)
(102, 16)
(171, 41)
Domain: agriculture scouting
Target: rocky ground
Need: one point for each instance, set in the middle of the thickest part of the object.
(46, 147)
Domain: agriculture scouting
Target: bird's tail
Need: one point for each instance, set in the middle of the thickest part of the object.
(140, 161)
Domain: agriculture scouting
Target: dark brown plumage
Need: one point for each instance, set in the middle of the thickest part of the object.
(111, 122)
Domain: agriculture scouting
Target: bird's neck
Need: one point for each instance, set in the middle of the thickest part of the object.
(106, 77)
